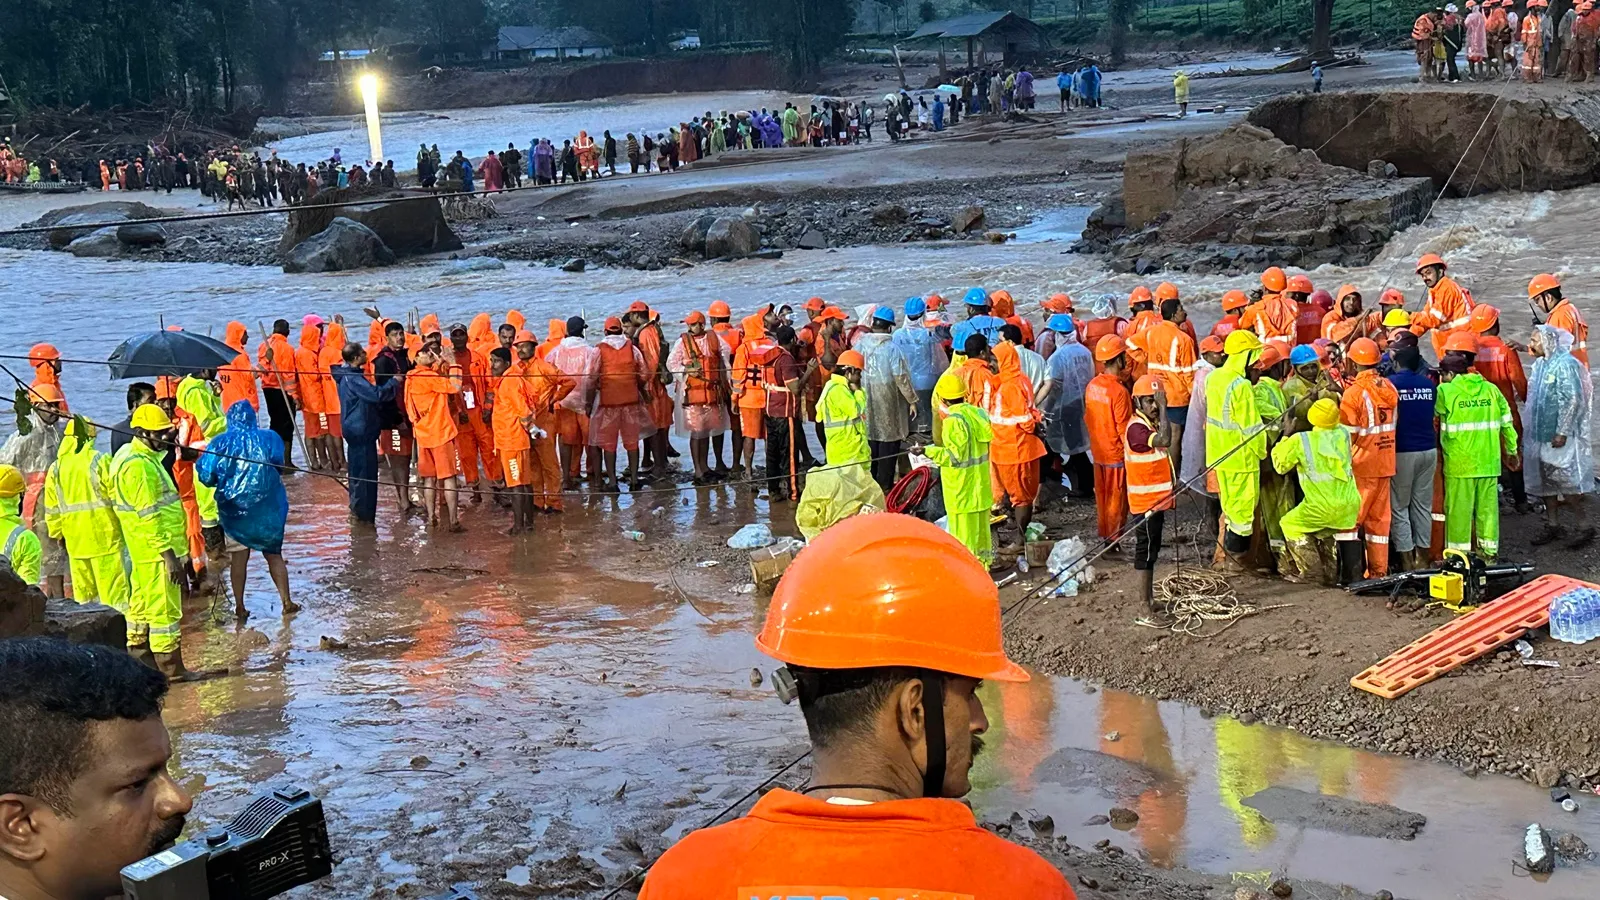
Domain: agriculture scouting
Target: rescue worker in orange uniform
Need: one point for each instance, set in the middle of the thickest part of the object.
(1307, 317)
(474, 418)
(333, 341)
(1104, 322)
(46, 362)
(1273, 317)
(1390, 299)
(1016, 447)
(558, 333)
(700, 360)
(644, 326)
(1348, 322)
(720, 315)
(1002, 306)
(1172, 357)
(1368, 410)
(1107, 407)
(1544, 293)
(1142, 308)
(1501, 366)
(1151, 475)
(1448, 306)
(430, 384)
(1233, 304)
(617, 408)
(546, 387)
(238, 380)
(276, 362)
(885, 625)
(308, 377)
(750, 358)
(184, 455)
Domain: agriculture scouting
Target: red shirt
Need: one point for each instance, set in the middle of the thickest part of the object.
(791, 845)
(782, 404)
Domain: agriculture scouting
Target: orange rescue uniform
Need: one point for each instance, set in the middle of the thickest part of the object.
(239, 379)
(1107, 408)
(308, 366)
(332, 355)
(1502, 367)
(1171, 356)
(1567, 318)
(428, 396)
(1448, 308)
(474, 437)
(1016, 447)
(1368, 411)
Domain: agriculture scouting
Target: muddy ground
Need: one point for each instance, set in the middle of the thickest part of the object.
(1292, 666)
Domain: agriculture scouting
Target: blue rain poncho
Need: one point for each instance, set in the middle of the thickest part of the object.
(1070, 369)
(1560, 400)
(924, 356)
(241, 463)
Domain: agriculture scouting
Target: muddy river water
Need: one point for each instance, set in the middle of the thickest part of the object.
(543, 714)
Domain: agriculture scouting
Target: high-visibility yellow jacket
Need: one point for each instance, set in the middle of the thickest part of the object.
(963, 460)
(200, 399)
(77, 500)
(18, 545)
(1232, 418)
(147, 504)
(843, 414)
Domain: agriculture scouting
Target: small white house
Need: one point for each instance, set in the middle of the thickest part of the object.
(535, 42)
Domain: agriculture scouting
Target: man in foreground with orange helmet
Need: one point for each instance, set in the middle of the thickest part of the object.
(1544, 295)
(886, 626)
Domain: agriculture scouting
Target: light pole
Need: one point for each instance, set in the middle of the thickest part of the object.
(369, 95)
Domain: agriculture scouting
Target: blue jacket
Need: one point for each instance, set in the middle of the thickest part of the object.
(1413, 426)
(359, 403)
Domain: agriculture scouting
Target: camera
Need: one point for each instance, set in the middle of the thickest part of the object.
(278, 842)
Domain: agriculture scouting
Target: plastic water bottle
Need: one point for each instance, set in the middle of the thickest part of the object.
(1575, 615)
(1068, 588)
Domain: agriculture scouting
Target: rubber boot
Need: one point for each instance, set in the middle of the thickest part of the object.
(1289, 563)
(142, 653)
(171, 665)
(1305, 560)
(1352, 561)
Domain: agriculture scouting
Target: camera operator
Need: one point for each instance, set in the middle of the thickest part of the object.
(84, 786)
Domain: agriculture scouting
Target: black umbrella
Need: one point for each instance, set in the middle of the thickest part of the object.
(175, 353)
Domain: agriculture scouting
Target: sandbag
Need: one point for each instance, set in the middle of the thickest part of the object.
(833, 494)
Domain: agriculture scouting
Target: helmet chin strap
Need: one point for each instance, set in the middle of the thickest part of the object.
(933, 733)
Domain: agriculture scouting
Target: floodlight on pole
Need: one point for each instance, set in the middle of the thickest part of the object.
(369, 95)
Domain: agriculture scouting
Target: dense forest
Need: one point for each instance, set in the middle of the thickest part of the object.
(214, 55)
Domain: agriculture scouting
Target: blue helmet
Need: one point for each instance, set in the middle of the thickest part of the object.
(1061, 322)
(916, 306)
(976, 297)
(1303, 354)
(883, 313)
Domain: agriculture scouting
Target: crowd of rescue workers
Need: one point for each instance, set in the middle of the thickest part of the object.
(1320, 440)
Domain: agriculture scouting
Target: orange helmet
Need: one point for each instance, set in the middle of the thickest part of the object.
(815, 304)
(166, 388)
(1110, 347)
(1271, 355)
(1363, 352)
(1273, 279)
(524, 336)
(1166, 290)
(1483, 318)
(1392, 297)
(1430, 259)
(47, 393)
(1233, 300)
(1539, 285)
(1463, 340)
(852, 359)
(1058, 303)
(1212, 344)
(1145, 386)
(1141, 294)
(43, 353)
(888, 590)
(719, 310)
(934, 301)
(1299, 284)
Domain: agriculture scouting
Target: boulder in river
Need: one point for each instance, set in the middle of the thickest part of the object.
(100, 242)
(73, 222)
(968, 218)
(473, 264)
(693, 238)
(731, 236)
(408, 222)
(144, 234)
(344, 244)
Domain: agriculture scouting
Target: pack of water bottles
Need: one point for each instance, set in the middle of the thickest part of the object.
(1575, 615)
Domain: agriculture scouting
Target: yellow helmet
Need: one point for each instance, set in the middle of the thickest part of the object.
(1323, 414)
(1241, 341)
(151, 417)
(1396, 318)
(12, 483)
(949, 387)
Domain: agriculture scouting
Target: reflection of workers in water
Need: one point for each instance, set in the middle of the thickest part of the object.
(1020, 731)
(1164, 807)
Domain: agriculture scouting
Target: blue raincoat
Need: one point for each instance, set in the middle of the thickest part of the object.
(251, 502)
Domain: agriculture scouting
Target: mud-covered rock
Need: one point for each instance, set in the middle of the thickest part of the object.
(344, 244)
(85, 623)
(966, 219)
(75, 221)
(100, 242)
(408, 222)
(22, 605)
(142, 234)
(731, 236)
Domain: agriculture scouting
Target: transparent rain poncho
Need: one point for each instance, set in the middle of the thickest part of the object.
(1071, 367)
(241, 463)
(1560, 401)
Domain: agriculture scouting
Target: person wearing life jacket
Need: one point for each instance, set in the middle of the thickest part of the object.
(19, 546)
(1150, 476)
(78, 512)
(1273, 317)
(1321, 458)
(1422, 34)
(1448, 307)
(1107, 408)
(750, 358)
(1236, 442)
(1105, 322)
(1308, 316)
(1171, 355)
(238, 379)
(1544, 293)
(46, 362)
(1501, 365)
(963, 460)
(332, 354)
(699, 361)
(618, 413)
(33, 454)
(643, 326)
(1369, 409)
(842, 411)
(885, 625)
(430, 383)
(1233, 305)
(278, 363)
(1016, 446)
(474, 431)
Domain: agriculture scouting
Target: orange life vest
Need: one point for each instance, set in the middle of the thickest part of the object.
(705, 388)
(619, 376)
(1149, 474)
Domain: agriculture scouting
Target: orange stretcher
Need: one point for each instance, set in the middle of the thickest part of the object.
(1465, 638)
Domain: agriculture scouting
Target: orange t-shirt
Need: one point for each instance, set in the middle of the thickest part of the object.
(791, 845)
(510, 408)
(428, 406)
